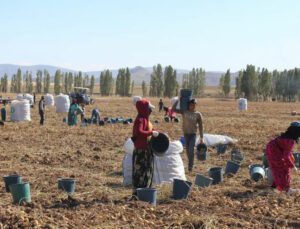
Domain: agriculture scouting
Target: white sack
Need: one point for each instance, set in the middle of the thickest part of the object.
(62, 103)
(166, 168)
(243, 104)
(213, 140)
(49, 100)
(20, 110)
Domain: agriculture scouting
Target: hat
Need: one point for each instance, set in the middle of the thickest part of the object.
(193, 101)
(297, 124)
(135, 99)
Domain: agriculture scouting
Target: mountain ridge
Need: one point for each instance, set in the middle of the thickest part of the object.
(138, 73)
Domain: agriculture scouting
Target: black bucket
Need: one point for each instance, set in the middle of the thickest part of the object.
(160, 144)
(202, 152)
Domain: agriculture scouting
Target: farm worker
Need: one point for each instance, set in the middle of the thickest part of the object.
(192, 120)
(3, 112)
(95, 116)
(42, 110)
(74, 110)
(280, 157)
(161, 105)
(170, 113)
(34, 98)
(143, 159)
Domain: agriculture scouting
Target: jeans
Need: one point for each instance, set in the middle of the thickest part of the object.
(190, 141)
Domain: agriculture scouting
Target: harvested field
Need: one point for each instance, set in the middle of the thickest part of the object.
(93, 155)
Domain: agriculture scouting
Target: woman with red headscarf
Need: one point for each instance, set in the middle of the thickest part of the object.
(143, 159)
(280, 157)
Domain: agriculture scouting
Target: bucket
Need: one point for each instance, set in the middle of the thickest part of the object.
(177, 120)
(202, 154)
(237, 156)
(147, 195)
(67, 185)
(203, 181)
(126, 122)
(232, 167)
(101, 123)
(167, 119)
(11, 179)
(265, 161)
(216, 174)
(20, 193)
(297, 159)
(130, 120)
(181, 189)
(185, 96)
(160, 144)
(182, 140)
(221, 149)
(269, 176)
(257, 172)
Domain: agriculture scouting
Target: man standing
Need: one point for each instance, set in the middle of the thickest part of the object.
(192, 120)
(42, 110)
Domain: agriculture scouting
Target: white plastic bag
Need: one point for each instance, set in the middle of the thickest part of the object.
(20, 110)
(62, 103)
(128, 146)
(213, 140)
(127, 169)
(49, 100)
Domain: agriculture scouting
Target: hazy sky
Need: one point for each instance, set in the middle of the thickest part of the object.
(97, 34)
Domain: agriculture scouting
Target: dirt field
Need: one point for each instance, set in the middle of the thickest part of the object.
(93, 155)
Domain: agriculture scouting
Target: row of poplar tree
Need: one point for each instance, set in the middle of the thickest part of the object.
(261, 84)
(164, 82)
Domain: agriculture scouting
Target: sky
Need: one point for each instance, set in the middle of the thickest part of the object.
(99, 34)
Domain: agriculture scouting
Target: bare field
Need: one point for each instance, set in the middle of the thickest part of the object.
(93, 155)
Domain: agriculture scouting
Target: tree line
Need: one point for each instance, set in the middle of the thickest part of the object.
(263, 85)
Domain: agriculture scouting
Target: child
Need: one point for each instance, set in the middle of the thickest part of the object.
(143, 159)
(280, 157)
(192, 121)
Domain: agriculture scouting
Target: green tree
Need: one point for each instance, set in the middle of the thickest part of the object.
(170, 81)
(57, 82)
(132, 87)
(70, 82)
(221, 84)
(38, 82)
(92, 84)
(106, 83)
(19, 81)
(156, 81)
(144, 88)
(127, 82)
(265, 84)
(226, 86)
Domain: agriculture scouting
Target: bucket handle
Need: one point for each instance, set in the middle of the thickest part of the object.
(20, 201)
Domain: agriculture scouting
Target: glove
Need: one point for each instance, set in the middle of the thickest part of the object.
(155, 133)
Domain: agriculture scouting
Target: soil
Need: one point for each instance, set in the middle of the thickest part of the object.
(93, 156)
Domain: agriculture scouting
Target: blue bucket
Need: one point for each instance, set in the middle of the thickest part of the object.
(67, 185)
(167, 119)
(237, 156)
(202, 154)
(182, 140)
(11, 179)
(257, 172)
(185, 96)
(181, 189)
(203, 181)
(216, 173)
(232, 167)
(221, 149)
(160, 144)
(20, 193)
(147, 195)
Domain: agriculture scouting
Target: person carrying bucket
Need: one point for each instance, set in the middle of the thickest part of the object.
(42, 110)
(74, 110)
(280, 157)
(143, 159)
(170, 113)
(192, 120)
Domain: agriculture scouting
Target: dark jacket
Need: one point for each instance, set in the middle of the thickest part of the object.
(41, 106)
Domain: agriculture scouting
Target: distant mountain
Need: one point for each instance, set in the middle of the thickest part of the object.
(138, 74)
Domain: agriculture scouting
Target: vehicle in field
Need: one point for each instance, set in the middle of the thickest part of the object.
(82, 95)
